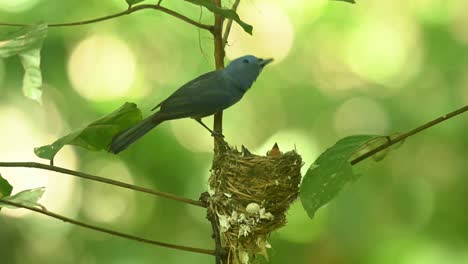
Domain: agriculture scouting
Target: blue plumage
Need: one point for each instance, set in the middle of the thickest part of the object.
(209, 93)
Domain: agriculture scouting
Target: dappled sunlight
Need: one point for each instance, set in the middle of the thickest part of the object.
(405, 205)
(436, 11)
(192, 135)
(328, 68)
(463, 87)
(417, 250)
(2, 75)
(437, 162)
(17, 6)
(340, 70)
(198, 183)
(385, 51)
(458, 27)
(270, 22)
(59, 247)
(19, 142)
(162, 68)
(300, 228)
(241, 121)
(102, 67)
(440, 163)
(249, 114)
(107, 203)
(434, 252)
(301, 12)
(360, 115)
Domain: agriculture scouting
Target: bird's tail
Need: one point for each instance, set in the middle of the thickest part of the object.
(127, 137)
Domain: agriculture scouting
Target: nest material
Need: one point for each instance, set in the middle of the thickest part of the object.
(250, 195)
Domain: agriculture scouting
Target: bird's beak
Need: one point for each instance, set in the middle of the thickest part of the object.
(265, 62)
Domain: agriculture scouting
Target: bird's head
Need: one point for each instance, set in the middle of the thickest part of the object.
(246, 69)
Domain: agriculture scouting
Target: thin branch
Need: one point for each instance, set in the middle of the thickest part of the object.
(101, 179)
(229, 24)
(108, 231)
(403, 136)
(219, 61)
(123, 13)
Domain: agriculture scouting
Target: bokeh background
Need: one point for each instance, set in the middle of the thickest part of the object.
(377, 67)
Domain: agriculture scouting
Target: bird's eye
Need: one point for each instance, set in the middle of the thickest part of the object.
(245, 61)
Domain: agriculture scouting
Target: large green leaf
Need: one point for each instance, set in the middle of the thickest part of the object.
(226, 13)
(98, 134)
(330, 172)
(5, 187)
(27, 198)
(27, 43)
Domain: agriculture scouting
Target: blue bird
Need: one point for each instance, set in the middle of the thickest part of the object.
(206, 95)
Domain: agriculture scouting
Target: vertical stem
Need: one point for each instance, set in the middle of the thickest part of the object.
(219, 61)
(217, 127)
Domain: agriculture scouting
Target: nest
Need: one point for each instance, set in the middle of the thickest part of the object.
(250, 195)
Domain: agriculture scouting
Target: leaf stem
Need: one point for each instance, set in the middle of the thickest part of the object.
(102, 180)
(403, 136)
(123, 13)
(229, 24)
(108, 231)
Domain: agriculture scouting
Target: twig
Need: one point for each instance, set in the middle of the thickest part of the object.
(219, 251)
(108, 231)
(126, 12)
(229, 24)
(101, 179)
(403, 136)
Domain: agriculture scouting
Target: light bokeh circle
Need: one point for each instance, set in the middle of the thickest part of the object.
(17, 6)
(360, 115)
(17, 142)
(102, 67)
(106, 203)
(385, 52)
(273, 33)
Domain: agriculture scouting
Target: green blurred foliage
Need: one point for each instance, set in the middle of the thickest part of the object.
(371, 68)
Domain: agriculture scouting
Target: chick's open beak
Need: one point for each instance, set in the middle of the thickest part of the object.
(264, 62)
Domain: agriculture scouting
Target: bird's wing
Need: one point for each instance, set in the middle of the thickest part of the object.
(202, 96)
(184, 87)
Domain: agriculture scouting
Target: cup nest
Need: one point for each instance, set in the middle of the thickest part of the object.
(249, 197)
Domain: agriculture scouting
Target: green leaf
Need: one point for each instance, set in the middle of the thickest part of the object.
(226, 13)
(348, 1)
(27, 38)
(27, 43)
(133, 2)
(32, 80)
(27, 198)
(97, 135)
(330, 172)
(5, 187)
